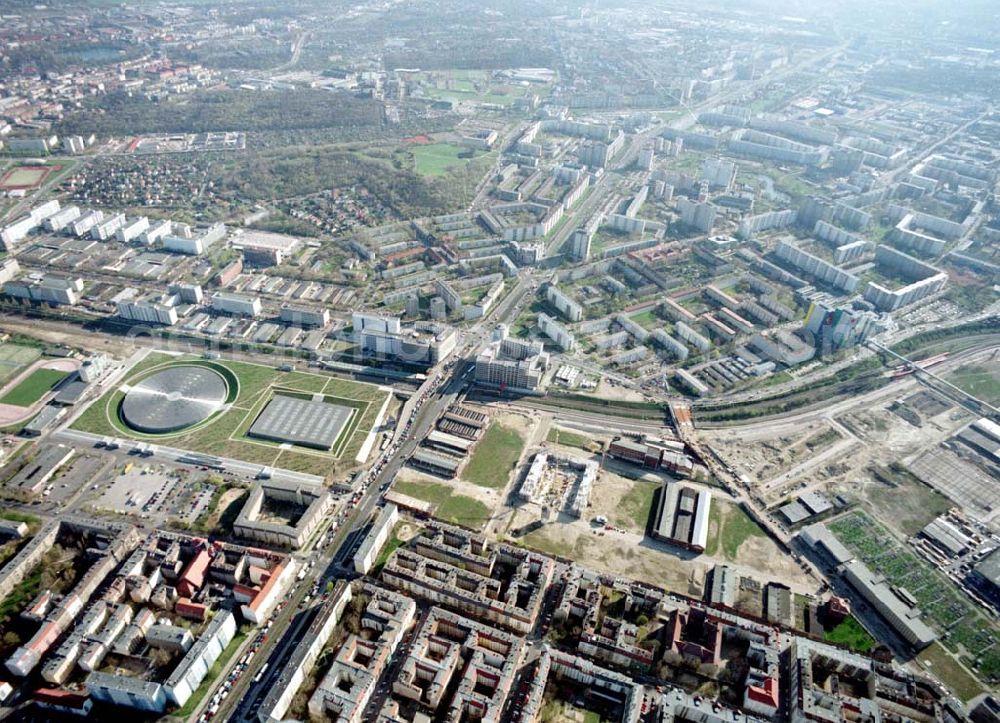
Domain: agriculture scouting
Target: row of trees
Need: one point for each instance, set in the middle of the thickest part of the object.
(224, 110)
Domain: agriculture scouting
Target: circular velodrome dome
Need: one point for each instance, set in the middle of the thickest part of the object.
(174, 399)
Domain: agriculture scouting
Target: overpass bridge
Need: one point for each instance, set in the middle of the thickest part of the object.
(940, 384)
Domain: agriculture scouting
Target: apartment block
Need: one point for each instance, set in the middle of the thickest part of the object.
(490, 582)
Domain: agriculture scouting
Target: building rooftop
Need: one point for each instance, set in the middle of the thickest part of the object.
(305, 422)
(989, 568)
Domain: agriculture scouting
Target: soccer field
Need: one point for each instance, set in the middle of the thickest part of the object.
(25, 177)
(436, 158)
(33, 388)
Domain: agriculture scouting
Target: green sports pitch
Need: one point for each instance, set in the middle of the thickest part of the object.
(25, 177)
(33, 387)
(14, 358)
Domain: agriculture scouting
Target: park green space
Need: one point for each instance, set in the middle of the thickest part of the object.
(494, 457)
(434, 159)
(33, 387)
(850, 633)
(449, 506)
(559, 711)
(647, 319)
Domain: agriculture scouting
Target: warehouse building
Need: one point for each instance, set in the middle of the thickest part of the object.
(440, 464)
(895, 605)
(986, 575)
(654, 453)
(463, 422)
(682, 516)
(449, 443)
(32, 478)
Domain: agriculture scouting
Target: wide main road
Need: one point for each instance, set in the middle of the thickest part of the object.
(292, 622)
(329, 563)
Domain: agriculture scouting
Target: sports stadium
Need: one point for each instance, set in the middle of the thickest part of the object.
(294, 420)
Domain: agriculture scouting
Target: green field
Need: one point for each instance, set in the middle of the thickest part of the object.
(450, 507)
(569, 439)
(559, 711)
(979, 381)
(35, 386)
(25, 176)
(495, 457)
(435, 159)
(942, 666)
(729, 528)
(15, 516)
(14, 358)
(251, 387)
(851, 634)
(647, 319)
(636, 505)
(467, 93)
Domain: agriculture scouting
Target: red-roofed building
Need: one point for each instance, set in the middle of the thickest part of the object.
(836, 609)
(64, 701)
(404, 254)
(191, 610)
(694, 634)
(193, 576)
(39, 607)
(762, 698)
(257, 609)
(245, 593)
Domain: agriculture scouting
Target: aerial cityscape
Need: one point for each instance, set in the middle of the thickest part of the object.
(496, 361)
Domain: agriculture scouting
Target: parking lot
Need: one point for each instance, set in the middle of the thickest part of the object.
(140, 490)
